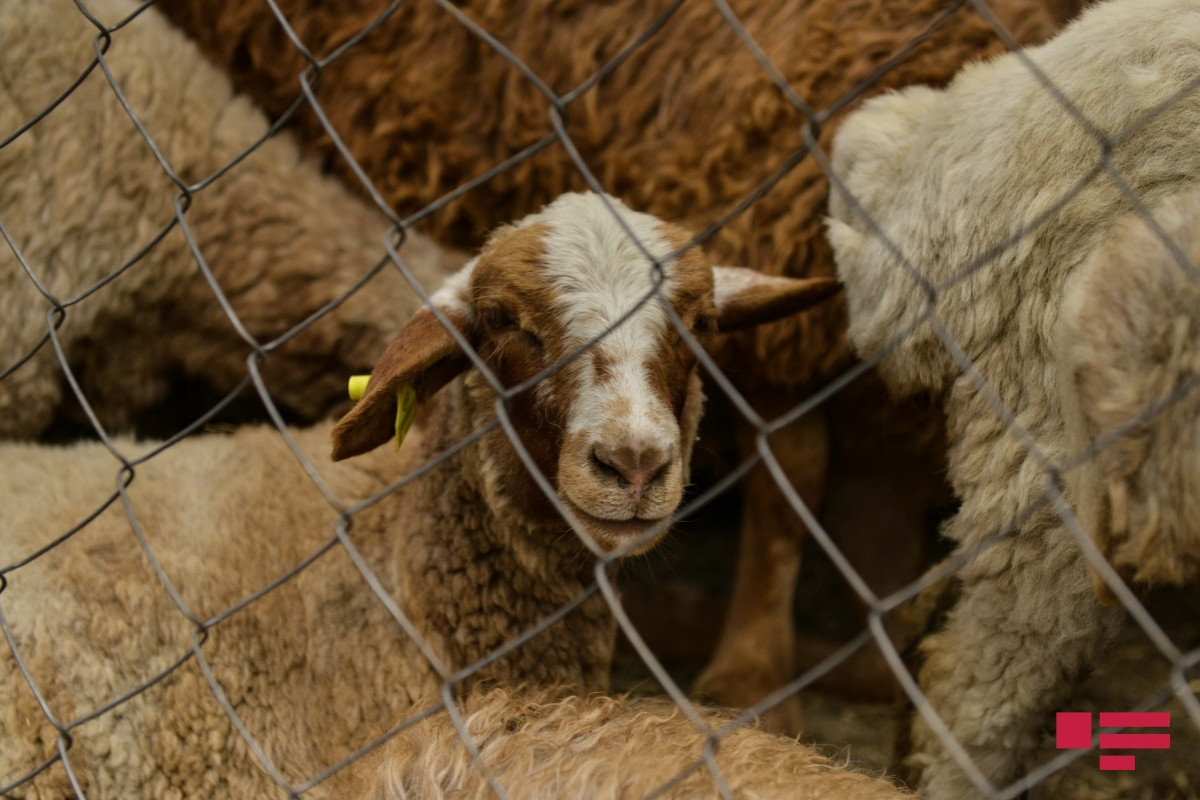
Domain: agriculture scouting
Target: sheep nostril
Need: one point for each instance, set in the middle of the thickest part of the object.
(633, 471)
(607, 470)
(655, 474)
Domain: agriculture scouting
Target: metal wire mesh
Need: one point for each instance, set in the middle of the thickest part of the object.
(1172, 644)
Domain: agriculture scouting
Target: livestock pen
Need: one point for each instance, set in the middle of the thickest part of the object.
(190, 248)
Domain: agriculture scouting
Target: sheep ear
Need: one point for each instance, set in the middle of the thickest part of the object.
(424, 355)
(745, 298)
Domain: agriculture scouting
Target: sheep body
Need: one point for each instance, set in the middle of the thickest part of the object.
(81, 194)
(224, 515)
(673, 131)
(1127, 347)
(538, 745)
(967, 184)
(473, 552)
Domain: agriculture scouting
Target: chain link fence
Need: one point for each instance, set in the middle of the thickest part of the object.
(174, 228)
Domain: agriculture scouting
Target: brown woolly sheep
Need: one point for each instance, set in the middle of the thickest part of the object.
(538, 745)
(1129, 345)
(81, 194)
(1066, 10)
(470, 550)
(686, 128)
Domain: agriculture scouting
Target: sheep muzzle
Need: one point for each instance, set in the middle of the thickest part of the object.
(621, 486)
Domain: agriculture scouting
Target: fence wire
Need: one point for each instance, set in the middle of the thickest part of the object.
(58, 390)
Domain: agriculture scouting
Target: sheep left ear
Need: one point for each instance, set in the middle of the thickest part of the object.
(745, 298)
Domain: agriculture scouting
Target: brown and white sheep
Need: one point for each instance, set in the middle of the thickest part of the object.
(469, 550)
(82, 195)
(687, 127)
(984, 200)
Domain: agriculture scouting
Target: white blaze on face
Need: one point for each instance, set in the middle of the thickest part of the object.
(599, 274)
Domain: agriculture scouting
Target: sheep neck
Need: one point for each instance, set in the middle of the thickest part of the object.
(475, 572)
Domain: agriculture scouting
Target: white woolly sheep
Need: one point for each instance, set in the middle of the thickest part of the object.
(967, 183)
(81, 194)
(473, 552)
(1128, 346)
(685, 128)
(539, 745)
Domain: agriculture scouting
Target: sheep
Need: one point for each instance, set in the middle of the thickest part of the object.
(992, 195)
(1126, 347)
(545, 746)
(474, 554)
(81, 194)
(685, 128)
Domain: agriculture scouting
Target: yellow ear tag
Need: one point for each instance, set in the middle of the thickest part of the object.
(358, 386)
(406, 403)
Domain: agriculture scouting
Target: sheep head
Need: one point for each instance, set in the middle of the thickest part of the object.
(870, 153)
(1128, 347)
(562, 307)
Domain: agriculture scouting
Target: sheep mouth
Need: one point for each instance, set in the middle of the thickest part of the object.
(612, 534)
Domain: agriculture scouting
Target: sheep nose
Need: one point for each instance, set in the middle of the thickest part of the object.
(634, 467)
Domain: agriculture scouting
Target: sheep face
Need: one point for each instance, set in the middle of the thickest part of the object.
(624, 410)
(605, 394)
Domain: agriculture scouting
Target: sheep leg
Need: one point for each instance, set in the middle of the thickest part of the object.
(754, 655)
(1024, 630)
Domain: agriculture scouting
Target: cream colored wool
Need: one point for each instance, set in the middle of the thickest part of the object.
(81, 194)
(951, 176)
(310, 668)
(539, 745)
(1128, 345)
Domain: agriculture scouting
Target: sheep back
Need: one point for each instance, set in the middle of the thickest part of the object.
(975, 188)
(313, 667)
(674, 130)
(544, 744)
(81, 195)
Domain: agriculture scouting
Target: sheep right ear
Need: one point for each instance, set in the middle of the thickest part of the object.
(425, 356)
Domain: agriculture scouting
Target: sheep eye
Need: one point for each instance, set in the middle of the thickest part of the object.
(704, 324)
(532, 339)
(497, 319)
